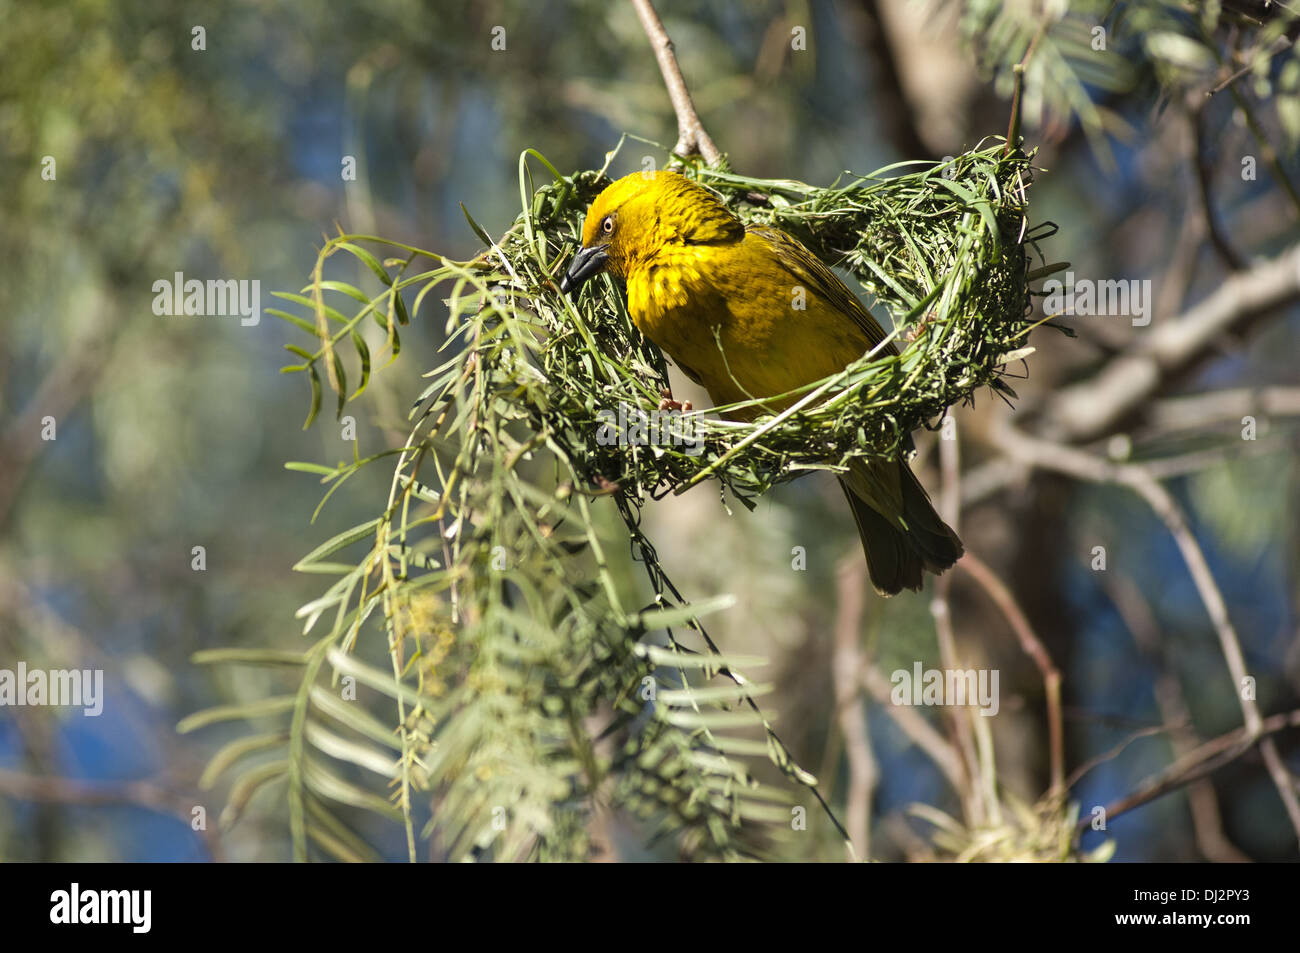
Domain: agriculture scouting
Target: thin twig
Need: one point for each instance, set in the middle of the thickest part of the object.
(146, 794)
(1063, 459)
(1013, 125)
(1079, 773)
(691, 137)
(916, 727)
(1198, 764)
(1034, 648)
(1207, 817)
(999, 474)
(1266, 149)
(849, 705)
(1255, 60)
(1204, 176)
(71, 378)
(977, 810)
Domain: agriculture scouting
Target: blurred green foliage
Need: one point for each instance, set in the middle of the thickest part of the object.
(172, 432)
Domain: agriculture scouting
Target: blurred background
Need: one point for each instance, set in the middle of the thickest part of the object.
(133, 146)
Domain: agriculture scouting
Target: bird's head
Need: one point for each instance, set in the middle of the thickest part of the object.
(640, 214)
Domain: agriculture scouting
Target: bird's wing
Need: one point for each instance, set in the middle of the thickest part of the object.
(808, 269)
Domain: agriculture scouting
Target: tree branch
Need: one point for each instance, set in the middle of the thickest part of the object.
(849, 705)
(1084, 466)
(1089, 409)
(1207, 817)
(691, 137)
(1196, 410)
(72, 377)
(1199, 763)
(145, 794)
(978, 810)
(1034, 648)
(913, 724)
(1204, 178)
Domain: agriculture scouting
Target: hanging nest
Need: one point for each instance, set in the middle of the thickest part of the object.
(943, 248)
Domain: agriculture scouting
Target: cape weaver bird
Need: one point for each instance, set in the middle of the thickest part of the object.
(718, 297)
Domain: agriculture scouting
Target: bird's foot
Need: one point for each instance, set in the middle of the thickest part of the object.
(667, 402)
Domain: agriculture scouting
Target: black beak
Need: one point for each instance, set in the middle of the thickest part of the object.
(587, 262)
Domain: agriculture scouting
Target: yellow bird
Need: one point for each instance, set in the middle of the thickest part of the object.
(720, 299)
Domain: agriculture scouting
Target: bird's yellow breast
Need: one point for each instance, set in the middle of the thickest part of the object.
(735, 319)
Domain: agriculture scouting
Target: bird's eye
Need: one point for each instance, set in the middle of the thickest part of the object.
(608, 224)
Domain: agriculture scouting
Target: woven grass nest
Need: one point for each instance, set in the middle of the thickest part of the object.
(942, 248)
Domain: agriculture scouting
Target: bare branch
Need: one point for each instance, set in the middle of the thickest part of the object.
(1204, 177)
(68, 381)
(1254, 61)
(1089, 409)
(852, 712)
(691, 137)
(913, 724)
(1034, 648)
(1166, 468)
(1196, 410)
(1199, 763)
(998, 474)
(1266, 150)
(1084, 466)
(1207, 817)
(145, 794)
(977, 809)
(1080, 772)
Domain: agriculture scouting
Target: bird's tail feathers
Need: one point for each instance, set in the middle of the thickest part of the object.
(917, 539)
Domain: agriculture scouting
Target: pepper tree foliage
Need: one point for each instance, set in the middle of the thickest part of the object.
(526, 689)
